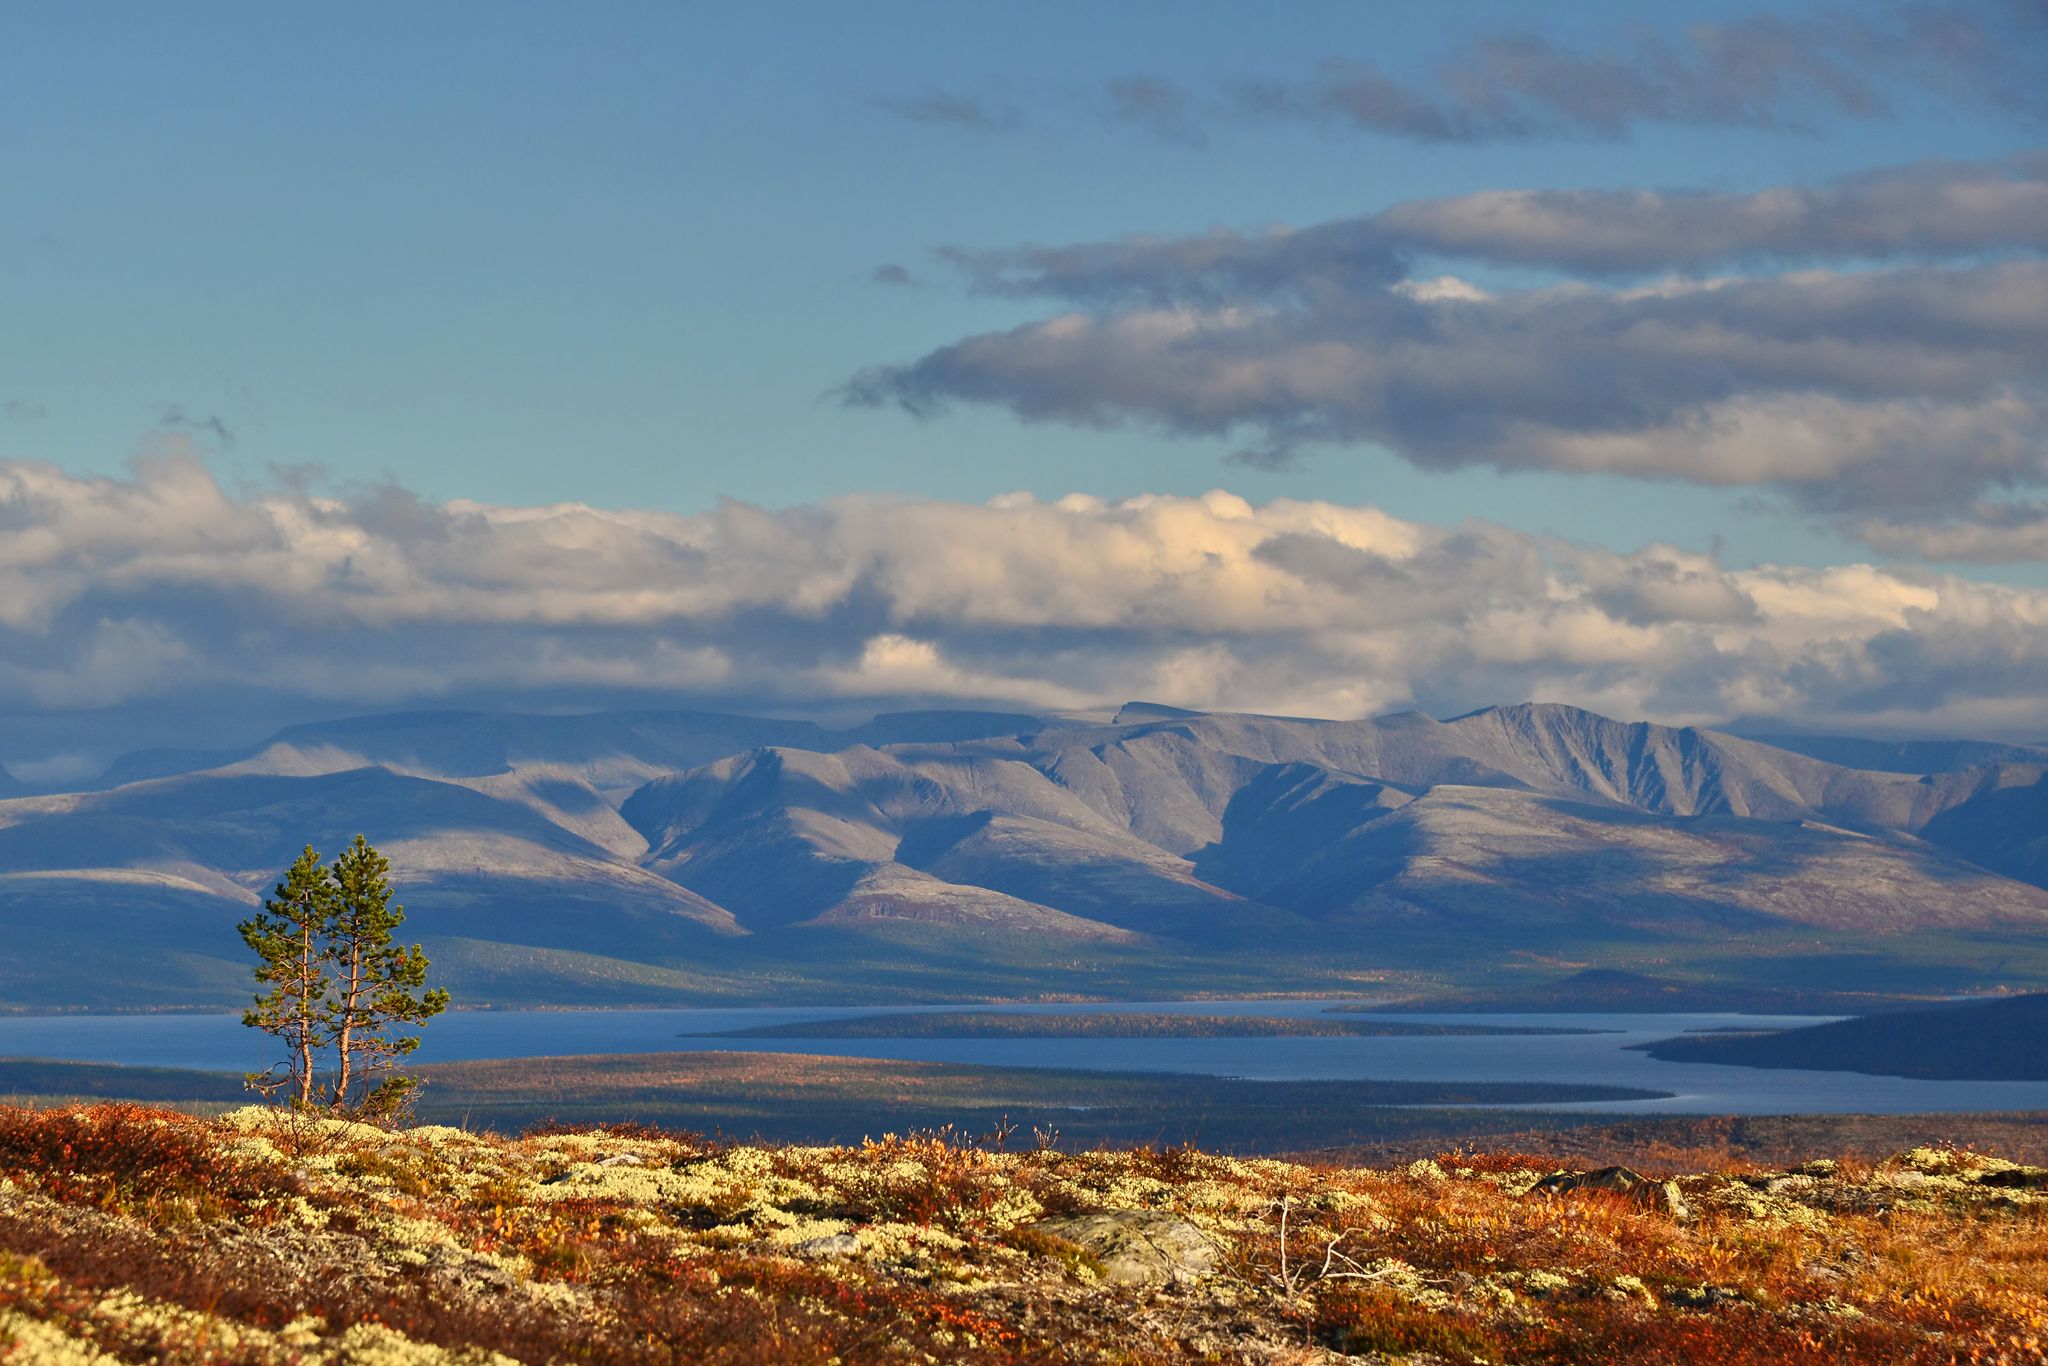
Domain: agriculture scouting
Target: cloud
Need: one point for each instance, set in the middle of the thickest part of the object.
(891, 274)
(1166, 108)
(951, 109)
(56, 770)
(174, 418)
(1905, 387)
(1932, 210)
(21, 410)
(1759, 71)
(1989, 532)
(163, 595)
(1896, 359)
(1927, 211)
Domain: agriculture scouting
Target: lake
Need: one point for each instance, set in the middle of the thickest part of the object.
(220, 1043)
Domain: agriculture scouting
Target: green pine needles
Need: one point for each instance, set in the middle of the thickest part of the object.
(338, 984)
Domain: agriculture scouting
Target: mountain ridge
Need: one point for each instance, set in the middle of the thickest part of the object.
(649, 838)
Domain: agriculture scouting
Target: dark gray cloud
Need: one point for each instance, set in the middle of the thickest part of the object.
(1761, 71)
(1986, 532)
(1920, 385)
(891, 274)
(951, 109)
(1929, 210)
(1907, 387)
(174, 418)
(164, 608)
(1165, 108)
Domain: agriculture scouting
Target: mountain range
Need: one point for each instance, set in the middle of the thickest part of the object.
(670, 856)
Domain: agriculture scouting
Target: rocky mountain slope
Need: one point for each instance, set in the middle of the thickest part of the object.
(612, 848)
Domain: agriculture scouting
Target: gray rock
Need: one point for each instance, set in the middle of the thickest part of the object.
(1622, 1181)
(467, 1272)
(1702, 1296)
(1138, 1247)
(831, 1245)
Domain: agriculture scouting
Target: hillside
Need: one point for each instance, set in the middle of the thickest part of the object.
(1907, 756)
(128, 1234)
(2003, 1040)
(649, 857)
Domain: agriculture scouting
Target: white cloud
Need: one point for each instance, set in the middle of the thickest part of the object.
(164, 591)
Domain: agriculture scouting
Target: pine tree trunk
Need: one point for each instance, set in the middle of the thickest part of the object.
(306, 1016)
(349, 1010)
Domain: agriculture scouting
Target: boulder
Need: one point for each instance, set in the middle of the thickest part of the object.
(1622, 1181)
(1138, 1247)
(831, 1245)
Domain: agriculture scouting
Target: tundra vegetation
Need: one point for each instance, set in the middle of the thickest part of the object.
(268, 1235)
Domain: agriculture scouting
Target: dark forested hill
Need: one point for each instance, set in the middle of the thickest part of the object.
(2003, 1040)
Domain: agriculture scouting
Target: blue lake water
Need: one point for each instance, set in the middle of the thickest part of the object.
(219, 1042)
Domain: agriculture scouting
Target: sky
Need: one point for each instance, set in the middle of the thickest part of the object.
(1687, 362)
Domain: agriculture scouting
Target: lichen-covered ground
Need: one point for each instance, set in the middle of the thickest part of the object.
(132, 1234)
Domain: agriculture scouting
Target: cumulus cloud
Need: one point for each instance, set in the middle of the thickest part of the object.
(1759, 71)
(163, 593)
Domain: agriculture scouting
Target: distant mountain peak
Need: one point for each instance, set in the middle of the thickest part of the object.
(632, 836)
(1138, 713)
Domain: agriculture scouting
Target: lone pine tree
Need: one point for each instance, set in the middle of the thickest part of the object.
(290, 938)
(378, 983)
(337, 980)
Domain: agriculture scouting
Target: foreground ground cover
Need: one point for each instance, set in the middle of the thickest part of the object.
(135, 1234)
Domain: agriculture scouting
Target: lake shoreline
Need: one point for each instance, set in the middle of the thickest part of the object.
(219, 1043)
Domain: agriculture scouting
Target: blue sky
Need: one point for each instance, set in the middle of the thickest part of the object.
(626, 256)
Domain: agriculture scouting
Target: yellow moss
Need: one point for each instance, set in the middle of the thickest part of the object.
(790, 1229)
(1633, 1287)
(372, 1344)
(31, 1340)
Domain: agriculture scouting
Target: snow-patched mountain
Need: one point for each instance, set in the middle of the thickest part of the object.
(603, 855)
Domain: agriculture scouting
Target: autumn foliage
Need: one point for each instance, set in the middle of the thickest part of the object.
(134, 1234)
